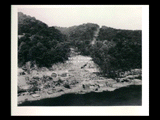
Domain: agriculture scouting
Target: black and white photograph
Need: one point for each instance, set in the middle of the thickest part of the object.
(78, 56)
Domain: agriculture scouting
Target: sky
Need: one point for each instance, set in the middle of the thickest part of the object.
(116, 16)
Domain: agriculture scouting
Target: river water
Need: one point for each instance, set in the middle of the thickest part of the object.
(126, 96)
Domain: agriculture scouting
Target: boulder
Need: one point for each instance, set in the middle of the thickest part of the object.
(47, 78)
(123, 79)
(50, 69)
(92, 87)
(53, 75)
(43, 69)
(22, 89)
(63, 75)
(130, 76)
(26, 87)
(36, 77)
(60, 90)
(21, 71)
(126, 80)
(101, 85)
(136, 71)
(66, 85)
(34, 72)
(74, 82)
(137, 82)
(126, 73)
(51, 91)
(33, 81)
(35, 95)
(71, 70)
(86, 86)
(24, 93)
(27, 78)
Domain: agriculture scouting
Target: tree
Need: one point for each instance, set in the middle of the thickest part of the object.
(40, 43)
(23, 53)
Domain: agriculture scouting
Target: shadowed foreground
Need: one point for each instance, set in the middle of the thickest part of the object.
(126, 96)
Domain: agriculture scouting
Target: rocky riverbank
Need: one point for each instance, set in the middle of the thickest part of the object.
(48, 86)
(125, 96)
(77, 75)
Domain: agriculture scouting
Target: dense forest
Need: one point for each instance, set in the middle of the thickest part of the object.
(114, 49)
(40, 44)
(124, 48)
(78, 34)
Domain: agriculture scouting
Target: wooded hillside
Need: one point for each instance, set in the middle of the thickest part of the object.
(114, 49)
(40, 44)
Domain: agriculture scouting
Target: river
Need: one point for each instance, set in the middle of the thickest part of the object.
(126, 96)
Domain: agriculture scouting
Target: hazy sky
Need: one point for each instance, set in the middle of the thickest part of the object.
(121, 17)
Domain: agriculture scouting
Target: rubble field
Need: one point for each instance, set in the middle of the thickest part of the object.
(71, 77)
